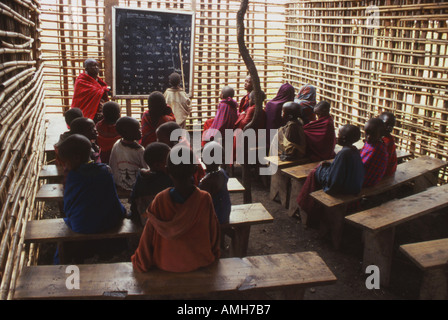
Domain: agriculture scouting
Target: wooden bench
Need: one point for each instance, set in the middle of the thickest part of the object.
(242, 217)
(298, 175)
(55, 230)
(51, 172)
(236, 278)
(55, 191)
(432, 258)
(55, 127)
(279, 186)
(378, 224)
(423, 171)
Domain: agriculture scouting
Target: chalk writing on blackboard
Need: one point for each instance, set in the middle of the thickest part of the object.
(146, 47)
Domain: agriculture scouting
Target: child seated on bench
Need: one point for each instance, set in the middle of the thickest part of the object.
(320, 134)
(150, 181)
(290, 138)
(70, 115)
(344, 175)
(91, 204)
(107, 133)
(225, 118)
(86, 127)
(158, 113)
(126, 158)
(215, 180)
(374, 154)
(164, 135)
(389, 121)
(182, 232)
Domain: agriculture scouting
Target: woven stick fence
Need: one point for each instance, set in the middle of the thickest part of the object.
(74, 30)
(366, 57)
(22, 133)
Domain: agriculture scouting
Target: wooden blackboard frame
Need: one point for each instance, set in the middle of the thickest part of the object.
(189, 90)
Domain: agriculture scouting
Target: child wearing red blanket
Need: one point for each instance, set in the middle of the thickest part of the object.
(158, 113)
(90, 91)
(389, 121)
(320, 134)
(374, 153)
(182, 232)
(107, 132)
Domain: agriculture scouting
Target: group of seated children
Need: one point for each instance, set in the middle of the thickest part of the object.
(158, 188)
(181, 205)
(352, 169)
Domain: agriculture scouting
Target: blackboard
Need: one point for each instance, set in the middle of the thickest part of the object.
(147, 47)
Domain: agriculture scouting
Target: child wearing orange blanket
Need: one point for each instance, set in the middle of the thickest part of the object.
(182, 231)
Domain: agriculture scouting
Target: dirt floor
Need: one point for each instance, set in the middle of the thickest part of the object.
(287, 235)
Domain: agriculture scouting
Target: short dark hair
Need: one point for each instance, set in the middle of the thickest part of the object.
(157, 100)
(227, 92)
(167, 128)
(125, 127)
(80, 125)
(183, 170)
(75, 145)
(111, 112)
(174, 79)
(71, 114)
(156, 152)
(293, 108)
(352, 133)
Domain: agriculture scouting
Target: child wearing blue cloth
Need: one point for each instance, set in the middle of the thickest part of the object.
(150, 181)
(91, 203)
(215, 180)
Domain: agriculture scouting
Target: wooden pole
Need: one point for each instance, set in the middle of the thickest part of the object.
(249, 62)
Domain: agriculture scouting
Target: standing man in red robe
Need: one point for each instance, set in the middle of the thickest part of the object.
(90, 92)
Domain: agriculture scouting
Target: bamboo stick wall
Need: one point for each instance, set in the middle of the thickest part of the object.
(74, 30)
(400, 65)
(22, 131)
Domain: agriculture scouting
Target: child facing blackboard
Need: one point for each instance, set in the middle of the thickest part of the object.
(177, 99)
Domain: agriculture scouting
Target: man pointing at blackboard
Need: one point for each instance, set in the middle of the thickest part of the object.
(90, 92)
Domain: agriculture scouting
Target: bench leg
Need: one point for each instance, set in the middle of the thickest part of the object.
(434, 285)
(275, 185)
(332, 221)
(378, 251)
(425, 181)
(240, 241)
(293, 293)
(280, 186)
(61, 252)
(296, 186)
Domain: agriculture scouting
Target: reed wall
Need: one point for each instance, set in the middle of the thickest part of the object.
(22, 132)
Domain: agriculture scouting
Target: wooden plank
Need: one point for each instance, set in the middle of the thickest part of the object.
(55, 191)
(50, 192)
(56, 126)
(51, 171)
(234, 186)
(302, 171)
(283, 164)
(248, 214)
(54, 230)
(51, 230)
(398, 211)
(238, 276)
(406, 172)
(432, 258)
(428, 254)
